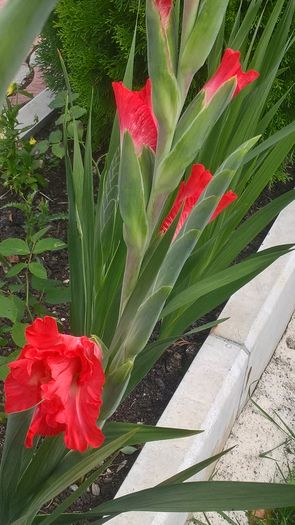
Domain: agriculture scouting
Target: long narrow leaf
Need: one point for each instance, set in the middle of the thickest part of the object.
(204, 496)
(254, 263)
(145, 433)
(26, 24)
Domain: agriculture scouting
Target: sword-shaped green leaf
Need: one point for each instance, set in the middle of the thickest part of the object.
(26, 22)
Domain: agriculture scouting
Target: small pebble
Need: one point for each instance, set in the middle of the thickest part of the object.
(290, 342)
(74, 487)
(122, 465)
(95, 489)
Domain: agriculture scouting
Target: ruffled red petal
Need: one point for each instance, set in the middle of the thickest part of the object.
(136, 115)
(63, 381)
(23, 385)
(44, 422)
(43, 333)
(78, 384)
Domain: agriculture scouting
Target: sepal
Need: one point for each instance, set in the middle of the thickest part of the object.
(132, 197)
(117, 379)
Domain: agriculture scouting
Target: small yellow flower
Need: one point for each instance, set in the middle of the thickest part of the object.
(32, 141)
(11, 89)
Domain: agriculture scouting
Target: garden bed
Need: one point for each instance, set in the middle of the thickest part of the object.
(150, 398)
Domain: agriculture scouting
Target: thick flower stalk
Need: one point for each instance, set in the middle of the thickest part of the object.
(188, 196)
(61, 377)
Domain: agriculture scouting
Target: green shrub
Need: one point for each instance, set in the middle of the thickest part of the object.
(95, 37)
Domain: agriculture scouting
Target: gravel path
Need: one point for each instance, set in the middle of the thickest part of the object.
(254, 434)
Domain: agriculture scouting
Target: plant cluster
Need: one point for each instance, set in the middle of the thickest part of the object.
(24, 284)
(55, 142)
(25, 287)
(20, 161)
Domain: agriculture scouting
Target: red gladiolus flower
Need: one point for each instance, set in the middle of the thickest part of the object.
(230, 67)
(165, 7)
(62, 377)
(188, 195)
(136, 115)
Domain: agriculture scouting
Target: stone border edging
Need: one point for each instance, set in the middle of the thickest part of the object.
(37, 108)
(216, 386)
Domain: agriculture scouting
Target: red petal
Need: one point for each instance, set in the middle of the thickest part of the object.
(64, 379)
(187, 197)
(136, 115)
(82, 411)
(43, 333)
(224, 202)
(43, 423)
(230, 67)
(23, 385)
(246, 78)
(78, 384)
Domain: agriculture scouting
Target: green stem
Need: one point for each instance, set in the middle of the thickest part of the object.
(132, 269)
(28, 288)
(155, 208)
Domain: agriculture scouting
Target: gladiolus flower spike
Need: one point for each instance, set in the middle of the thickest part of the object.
(136, 115)
(188, 195)
(61, 377)
(230, 67)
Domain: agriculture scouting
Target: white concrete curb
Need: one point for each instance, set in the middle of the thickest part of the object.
(35, 113)
(216, 385)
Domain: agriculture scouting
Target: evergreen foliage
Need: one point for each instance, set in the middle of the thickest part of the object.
(95, 38)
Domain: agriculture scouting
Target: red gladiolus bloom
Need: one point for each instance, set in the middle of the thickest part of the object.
(230, 67)
(136, 115)
(188, 195)
(62, 377)
(165, 7)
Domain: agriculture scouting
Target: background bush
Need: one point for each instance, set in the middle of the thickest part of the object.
(95, 36)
